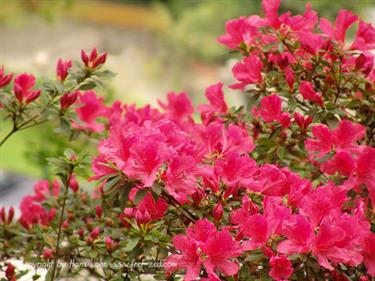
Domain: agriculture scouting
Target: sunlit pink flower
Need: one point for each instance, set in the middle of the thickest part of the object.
(22, 88)
(94, 59)
(247, 72)
(338, 31)
(62, 69)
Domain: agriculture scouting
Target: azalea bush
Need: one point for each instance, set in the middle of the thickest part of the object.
(280, 189)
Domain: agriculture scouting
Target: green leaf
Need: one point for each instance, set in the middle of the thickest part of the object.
(132, 243)
(140, 195)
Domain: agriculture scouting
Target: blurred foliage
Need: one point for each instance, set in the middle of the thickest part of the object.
(197, 23)
(47, 9)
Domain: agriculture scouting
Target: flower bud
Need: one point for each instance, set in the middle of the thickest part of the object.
(95, 232)
(10, 272)
(62, 69)
(47, 253)
(2, 215)
(10, 215)
(217, 212)
(68, 99)
(65, 224)
(73, 183)
(99, 211)
(109, 244)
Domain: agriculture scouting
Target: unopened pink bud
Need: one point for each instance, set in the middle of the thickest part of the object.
(217, 212)
(47, 253)
(99, 211)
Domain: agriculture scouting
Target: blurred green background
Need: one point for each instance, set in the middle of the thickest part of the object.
(153, 46)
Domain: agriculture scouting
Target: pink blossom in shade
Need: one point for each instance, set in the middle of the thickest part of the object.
(347, 134)
(247, 72)
(179, 107)
(220, 248)
(22, 88)
(281, 268)
(308, 92)
(217, 104)
(62, 69)
(322, 142)
(43, 189)
(271, 8)
(272, 181)
(5, 79)
(342, 162)
(322, 201)
(94, 59)
(337, 31)
(92, 108)
(365, 37)
(68, 99)
(239, 31)
(299, 233)
(368, 253)
(188, 258)
(303, 122)
(311, 42)
(181, 178)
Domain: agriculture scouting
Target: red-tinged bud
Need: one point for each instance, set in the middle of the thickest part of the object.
(217, 212)
(100, 60)
(68, 99)
(197, 197)
(2, 215)
(65, 224)
(73, 183)
(89, 240)
(84, 58)
(70, 215)
(10, 273)
(95, 232)
(62, 69)
(94, 60)
(47, 253)
(268, 252)
(142, 217)
(5, 79)
(109, 243)
(33, 96)
(81, 233)
(99, 211)
(327, 45)
(10, 215)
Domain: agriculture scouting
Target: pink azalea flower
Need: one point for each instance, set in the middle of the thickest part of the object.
(338, 240)
(270, 110)
(311, 42)
(271, 8)
(93, 60)
(239, 31)
(365, 37)
(347, 134)
(368, 253)
(43, 190)
(303, 122)
(22, 88)
(179, 107)
(220, 248)
(299, 232)
(342, 162)
(5, 79)
(68, 99)
(322, 143)
(92, 108)
(216, 106)
(338, 31)
(148, 210)
(62, 69)
(322, 201)
(247, 72)
(281, 268)
(308, 92)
